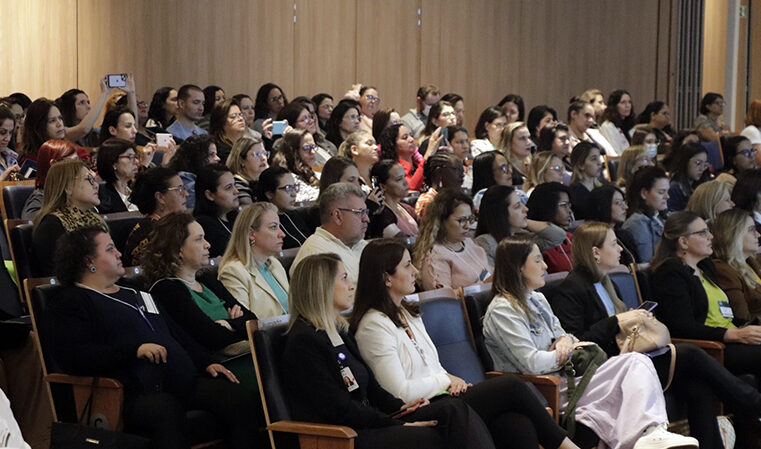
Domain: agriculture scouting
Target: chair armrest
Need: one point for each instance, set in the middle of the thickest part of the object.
(714, 348)
(107, 398)
(549, 387)
(313, 429)
(103, 382)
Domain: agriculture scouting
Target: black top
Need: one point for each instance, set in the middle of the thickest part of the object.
(223, 150)
(294, 225)
(90, 334)
(682, 301)
(44, 239)
(579, 196)
(629, 254)
(317, 392)
(217, 232)
(175, 297)
(110, 201)
(582, 313)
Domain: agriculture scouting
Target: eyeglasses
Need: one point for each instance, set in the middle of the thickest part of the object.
(290, 188)
(503, 168)
(235, 116)
(180, 189)
(131, 157)
(619, 203)
(700, 163)
(264, 154)
(395, 122)
(309, 148)
(702, 233)
(564, 204)
(748, 153)
(306, 119)
(327, 107)
(91, 179)
(359, 212)
(19, 116)
(352, 117)
(498, 125)
(276, 98)
(373, 99)
(466, 221)
(556, 168)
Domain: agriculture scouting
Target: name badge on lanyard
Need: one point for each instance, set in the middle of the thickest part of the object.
(726, 309)
(348, 377)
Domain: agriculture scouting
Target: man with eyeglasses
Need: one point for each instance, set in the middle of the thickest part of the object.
(427, 96)
(190, 101)
(344, 219)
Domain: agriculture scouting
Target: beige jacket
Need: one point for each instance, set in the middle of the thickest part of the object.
(250, 288)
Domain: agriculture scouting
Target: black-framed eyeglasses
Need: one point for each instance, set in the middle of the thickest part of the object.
(466, 221)
(364, 212)
(91, 179)
(276, 98)
(748, 153)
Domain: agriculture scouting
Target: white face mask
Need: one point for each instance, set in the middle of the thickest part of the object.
(426, 109)
(652, 149)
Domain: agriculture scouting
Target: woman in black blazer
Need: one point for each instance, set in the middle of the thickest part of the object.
(588, 306)
(329, 382)
(117, 165)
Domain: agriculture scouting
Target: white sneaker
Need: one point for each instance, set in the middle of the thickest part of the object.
(657, 437)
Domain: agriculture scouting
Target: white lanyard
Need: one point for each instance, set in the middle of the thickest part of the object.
(124, 303)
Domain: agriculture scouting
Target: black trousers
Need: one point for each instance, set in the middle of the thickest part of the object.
(698, 381)
(162, 416)
(514, 416)
(458, 427)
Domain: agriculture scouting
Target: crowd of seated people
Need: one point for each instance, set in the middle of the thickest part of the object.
(338, 217)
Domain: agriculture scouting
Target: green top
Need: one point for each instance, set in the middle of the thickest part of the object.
(277, 289)
(209, 303)
(717, 300)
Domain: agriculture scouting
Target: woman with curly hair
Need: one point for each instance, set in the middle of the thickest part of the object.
(195, 153)
(297, 154)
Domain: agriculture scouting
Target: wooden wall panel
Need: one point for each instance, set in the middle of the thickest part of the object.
(754, 68)
(39, 55)
(324, 47)
(714, 45)
(388, 50)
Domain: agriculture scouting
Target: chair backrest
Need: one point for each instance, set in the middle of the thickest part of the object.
(445, 323)
(41, 292)
(287, 256)
(612, 163)
(477, 298)
(641, 275)
(14, 198)
(715, 156)
(120, 225)
(627, 288)
(552, 285)
(22, 251)
(267, 346)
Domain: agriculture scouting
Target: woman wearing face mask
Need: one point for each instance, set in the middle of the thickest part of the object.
(247, 160)
(587, 165)
(278, 186)
(647, 198)
(550, 203)
(396, 218)
(216, 206)
(689, 169)
(618, 120)
(646, 136)
(503, 215)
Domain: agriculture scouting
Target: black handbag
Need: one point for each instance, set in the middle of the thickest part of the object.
(83, 436)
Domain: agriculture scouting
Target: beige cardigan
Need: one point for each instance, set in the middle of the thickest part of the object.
(250, 288)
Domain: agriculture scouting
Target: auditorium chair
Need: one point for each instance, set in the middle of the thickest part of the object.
(626, 284)
(267, 340)
(13, 199)
(120, 225)
(286, 258)
(69, 394)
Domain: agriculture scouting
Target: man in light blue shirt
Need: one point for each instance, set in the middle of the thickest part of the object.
(190, 101)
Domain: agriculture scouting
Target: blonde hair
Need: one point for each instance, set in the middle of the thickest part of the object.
(238, 154)
(62, 176)
(593, 234)
(589, 95)
(239, 248)
(352, 140)
(626, 163)
(310, 295)
(706, 196)
(728, 229)
(539, 165)
(506, 140)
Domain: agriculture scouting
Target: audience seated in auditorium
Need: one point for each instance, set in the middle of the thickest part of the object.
(688, 170)
(440, 171)
(306, 118)
(539, 117)
(361, 148)
(632, 159)
(735, 249)
(397, 143)
(415, 119)
(226, 126)
(368, 102)
(43, 122)
(739, 155)
(194, 153)
(447, 257)
(658, 116)
(216, 205)
(618, 121)
(50, 152)
(587, 165)
(117, 166)
(213, 96)
(514, 107)
(344, 220)
(101, 329)
(441, 116)
(555, 138)
(491, 168)
(347, 393)
(550, 203)
(503, 215)
(608, 206)
(247, 160)
(395, 218)
(394, 343)
(516, 146)
(297, 153)
(458, 103)
(69, 205)
(344, 120)
(545, 167)
(250, 270)
(646, 199)
(710, 199)
(270, 99)
(324, 103)
(189, 111)
(488, 131)
(709, 123)
(278, 186)
(623, 405)
(162, 109)
(156, 192)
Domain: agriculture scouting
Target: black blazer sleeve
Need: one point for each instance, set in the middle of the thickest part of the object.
(682, 302)
(310, 373)
(176, 300)
(385, 401)
(44, 239)
(110, 201)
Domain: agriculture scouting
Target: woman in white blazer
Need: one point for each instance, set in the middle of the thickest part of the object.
(249, 269)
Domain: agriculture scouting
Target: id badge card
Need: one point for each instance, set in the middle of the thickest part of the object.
(484, 275)
(150, 306)
(349, 380)
(726, 309)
